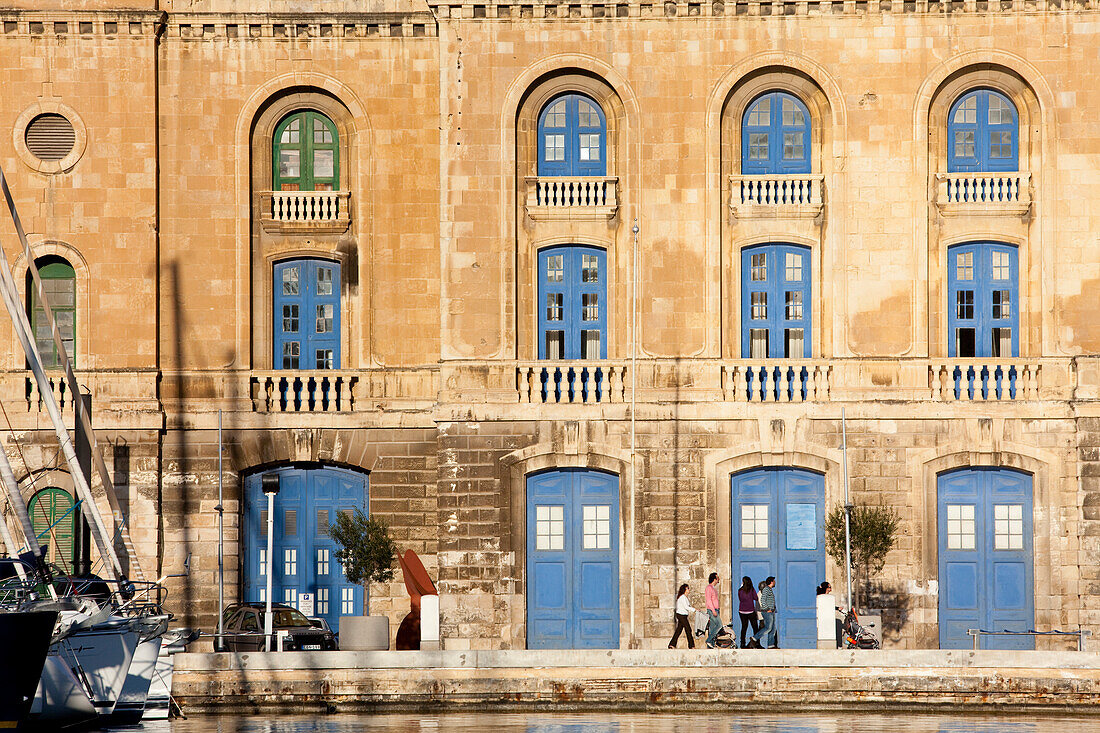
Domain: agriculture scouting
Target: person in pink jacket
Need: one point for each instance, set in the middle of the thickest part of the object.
(714, 620)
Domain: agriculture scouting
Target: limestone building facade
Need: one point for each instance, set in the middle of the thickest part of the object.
(575, 296)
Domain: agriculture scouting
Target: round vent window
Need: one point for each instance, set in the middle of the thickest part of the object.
(50, 137)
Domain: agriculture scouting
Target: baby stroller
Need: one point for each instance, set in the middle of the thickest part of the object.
(724, 639)
(856, 636)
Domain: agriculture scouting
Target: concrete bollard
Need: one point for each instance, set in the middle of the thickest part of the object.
(826, 621)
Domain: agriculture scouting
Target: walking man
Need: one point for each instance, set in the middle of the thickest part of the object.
(714, 621)
(767, 632)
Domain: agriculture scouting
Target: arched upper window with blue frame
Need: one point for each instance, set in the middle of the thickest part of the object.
(572, 302)
(307, 315)
(983, 131)
(572, 137)
(776, 309)
(775, 136)
(984, 306)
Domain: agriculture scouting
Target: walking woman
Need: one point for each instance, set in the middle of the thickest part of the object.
(682, 610)
(746, 607)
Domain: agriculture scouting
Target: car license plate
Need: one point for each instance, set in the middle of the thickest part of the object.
(311, 647)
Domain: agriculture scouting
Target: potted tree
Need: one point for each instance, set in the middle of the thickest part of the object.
(366, 552)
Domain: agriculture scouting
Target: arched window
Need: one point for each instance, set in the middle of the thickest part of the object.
(307, 315)
(775, 135)
(982, 133)
(572, 303)
(775, 302)
(572, 137)
(59, 285)
(53, 518)
(984, 307)
(306, 153)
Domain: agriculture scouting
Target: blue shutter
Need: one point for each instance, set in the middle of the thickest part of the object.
(776, 298)
(572, 302)
(775, 136)
(306, 315)
(983, 300)
(982, 133)
(572, 137)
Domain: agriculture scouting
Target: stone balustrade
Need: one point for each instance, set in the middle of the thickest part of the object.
(577, 382)
(553, 197)
(777, 195)
(303, 391)
(984, 192)
(782, 381)
(984, 380)
(315, 211)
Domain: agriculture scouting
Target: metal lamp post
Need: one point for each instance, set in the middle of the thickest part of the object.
(269, 482)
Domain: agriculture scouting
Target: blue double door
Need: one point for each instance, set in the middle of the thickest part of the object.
(304, 555)
(984, 527)
(573, 560)
(778, 530)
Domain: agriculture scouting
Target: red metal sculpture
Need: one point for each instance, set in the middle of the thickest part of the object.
(417, 583)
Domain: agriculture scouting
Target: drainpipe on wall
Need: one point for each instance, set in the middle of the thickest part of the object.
(633, 437)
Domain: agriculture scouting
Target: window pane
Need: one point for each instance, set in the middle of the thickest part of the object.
(759, 267)
(760, 116)
(758, 146)
(64, 320)
(590, 147)
(964, 266)
(794, 267)
(588, 116)
(967, 112)
(322, 135)
(960, 527)
(1002, 305)
(323, 163)
(290, 281)
(324, 318)
(291, 133)
(792, 146)
(554, 306)
(1000, 145)
(758, 343)
(324, 281)
(555, 147)
(964, 143)
(290, 163)
(964, 304)
(555, 268)
(794, 305)
(1000, 111)
(555, 116)
(794, 347)
(590, 269)
(290, 319)
(324, 359)
(964, 342)
(1002, 342)
(590, 344)
(555, 344)
(759, 302)
(590, 307)
(290, 355)
(792, 115)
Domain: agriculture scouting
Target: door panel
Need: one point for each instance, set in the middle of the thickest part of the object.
(984, 521)
(573, 560)
(788, 543)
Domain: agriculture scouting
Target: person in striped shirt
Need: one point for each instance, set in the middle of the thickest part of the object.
(768, 631)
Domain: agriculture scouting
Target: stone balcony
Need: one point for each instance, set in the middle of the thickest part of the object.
(340, 391)
(983, 194)
(120, 397)
(552, 198)
(777, 196)
(305, 212)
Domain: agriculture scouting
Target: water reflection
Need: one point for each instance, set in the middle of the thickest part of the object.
(857, 721)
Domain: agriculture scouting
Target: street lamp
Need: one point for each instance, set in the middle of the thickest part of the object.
(269, 482)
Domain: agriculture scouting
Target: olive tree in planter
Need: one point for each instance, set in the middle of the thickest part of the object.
(366, 552)
(874, 532)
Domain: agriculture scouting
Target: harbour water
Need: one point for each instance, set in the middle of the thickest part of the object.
(855, 721)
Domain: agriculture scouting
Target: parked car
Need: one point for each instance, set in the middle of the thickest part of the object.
(244, 629)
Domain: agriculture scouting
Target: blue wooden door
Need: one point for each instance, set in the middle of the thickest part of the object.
(982, 133)
(776, 311)
(304, 554)
(984, 526)
(778, 530)
(572, 137)
(775, 136)
(307, 315)
(572, 303)
(984, 301)
(573, 560)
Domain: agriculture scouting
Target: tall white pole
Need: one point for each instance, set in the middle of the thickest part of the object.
(221, 540)
(270, 565)
(633, 432)
(847, 508)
